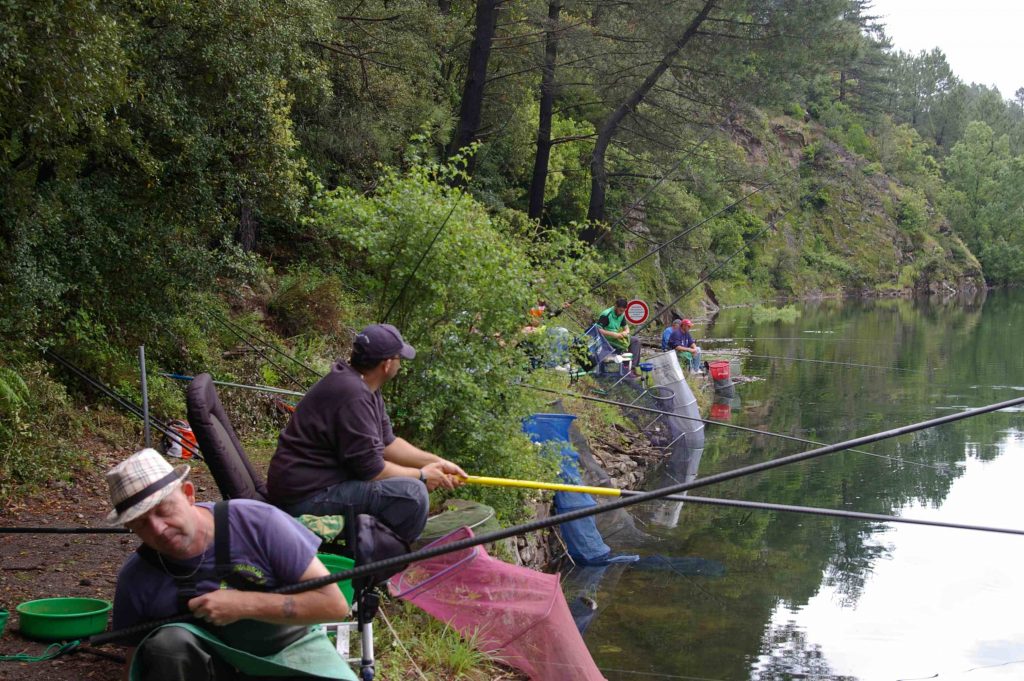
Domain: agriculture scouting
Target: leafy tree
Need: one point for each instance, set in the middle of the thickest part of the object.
(471, 104)
(984, 202)
(146, 134)
(546, 112)
(460, 300)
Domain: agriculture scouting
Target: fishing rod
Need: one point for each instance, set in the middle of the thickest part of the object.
(746, 244)
(123, 402)
(577, 514)
(825, 361)
(621, 220)
(796, 338)
(673, 239)
(64, 530)
(736, 503)
(640, 328)
(240, 329)
(423, 256)
(257, 388)
(723, 424)
(228, 325)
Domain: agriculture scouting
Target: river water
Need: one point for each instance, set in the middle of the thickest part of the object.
(792, 596)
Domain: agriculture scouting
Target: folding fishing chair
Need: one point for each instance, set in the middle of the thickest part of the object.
(237, 479)
(598, 347)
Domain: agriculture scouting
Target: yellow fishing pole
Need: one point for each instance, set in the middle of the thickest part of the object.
(532, 484)
(736, 503)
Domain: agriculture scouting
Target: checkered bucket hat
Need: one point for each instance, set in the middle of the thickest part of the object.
(139, 483)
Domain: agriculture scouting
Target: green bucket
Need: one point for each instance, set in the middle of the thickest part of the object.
(335, 563)
(3, 621)
(56, 619)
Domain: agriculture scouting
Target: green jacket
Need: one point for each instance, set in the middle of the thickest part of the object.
(610, 321)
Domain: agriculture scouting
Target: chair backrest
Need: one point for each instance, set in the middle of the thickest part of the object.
(231, 468)
(598, 345)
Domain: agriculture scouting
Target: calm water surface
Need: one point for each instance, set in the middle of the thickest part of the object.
(800, 597)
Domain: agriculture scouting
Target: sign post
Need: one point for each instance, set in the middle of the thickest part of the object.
(637, 312)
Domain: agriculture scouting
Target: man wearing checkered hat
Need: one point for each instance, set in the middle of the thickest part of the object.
(216, 562)
(338, 449)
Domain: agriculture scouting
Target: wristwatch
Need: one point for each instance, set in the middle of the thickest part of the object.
(423, 476)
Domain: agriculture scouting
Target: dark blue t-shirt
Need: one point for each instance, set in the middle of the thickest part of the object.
(680, 338)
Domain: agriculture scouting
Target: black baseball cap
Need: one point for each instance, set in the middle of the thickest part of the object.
(381, 341)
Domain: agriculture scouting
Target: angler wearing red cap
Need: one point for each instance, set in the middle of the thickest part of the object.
(338, 449)
(683, 343)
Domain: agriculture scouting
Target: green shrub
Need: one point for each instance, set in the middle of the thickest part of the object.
(831, 263)
(786, 313)
(912, 213)
(35, 420)
(308, 300)
(432, 261)
(795, 110)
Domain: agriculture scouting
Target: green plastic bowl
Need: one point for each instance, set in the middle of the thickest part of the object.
(335, 563)
(56, 619)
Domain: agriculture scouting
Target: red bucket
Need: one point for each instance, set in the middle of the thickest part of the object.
(719, 370)
(721, 411)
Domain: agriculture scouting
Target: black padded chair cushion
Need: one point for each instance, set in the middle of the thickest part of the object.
(231, 469)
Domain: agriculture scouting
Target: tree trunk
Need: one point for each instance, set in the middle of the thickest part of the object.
(547, 105)
(598, 173)
(248, 228)
(472, 104)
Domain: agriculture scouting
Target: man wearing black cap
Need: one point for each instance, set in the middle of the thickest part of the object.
(338, 449)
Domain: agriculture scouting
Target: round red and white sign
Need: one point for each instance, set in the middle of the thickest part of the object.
(637, 312)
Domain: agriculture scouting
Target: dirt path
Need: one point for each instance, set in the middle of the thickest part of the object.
(50, 565)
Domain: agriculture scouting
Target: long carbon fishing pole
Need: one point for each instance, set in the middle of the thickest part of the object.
(621, 220)
(673, 239)
(64, 530)
(835, 513)
(423, 256)
(543, 523)
(263, 341)
(700, 281)
(613, 492)
(229, 326)
(257, 388)
(730, 339)
(746, 244)
(825, 361)
(733, 426)
(736, 503)
(123, 402)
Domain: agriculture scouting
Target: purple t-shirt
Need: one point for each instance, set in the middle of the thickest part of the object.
(267, 544)
(337, 433)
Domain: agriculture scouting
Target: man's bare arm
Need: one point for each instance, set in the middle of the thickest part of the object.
(225, 606)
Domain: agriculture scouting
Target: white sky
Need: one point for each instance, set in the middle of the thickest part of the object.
(983, 39)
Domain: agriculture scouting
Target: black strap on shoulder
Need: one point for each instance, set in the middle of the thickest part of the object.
(187, 584)
(222, 539)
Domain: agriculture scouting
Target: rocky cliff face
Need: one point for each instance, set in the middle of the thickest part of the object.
(859, 229)
(839, 224)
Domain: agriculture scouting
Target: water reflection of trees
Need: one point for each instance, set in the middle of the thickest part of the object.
(856, 549)
(786, 654)
(959, 357)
